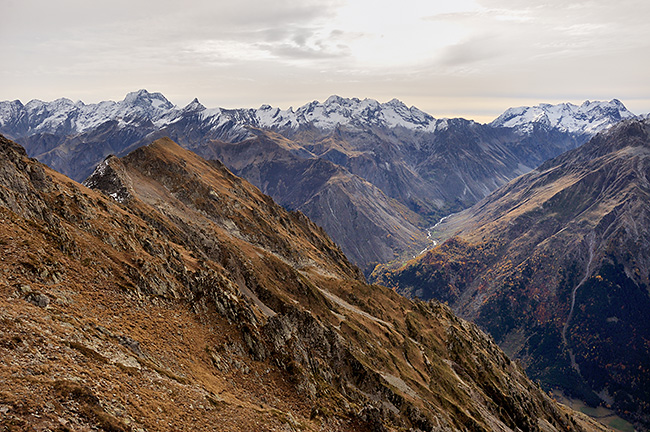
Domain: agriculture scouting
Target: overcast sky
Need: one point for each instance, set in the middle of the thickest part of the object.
(467, 58)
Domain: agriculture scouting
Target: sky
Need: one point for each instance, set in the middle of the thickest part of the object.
(460, 58)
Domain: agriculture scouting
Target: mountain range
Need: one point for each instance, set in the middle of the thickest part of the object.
(392, 171)
(168, 294)
(64, 116)
(555, 266)
(551, 264)
(585, 120)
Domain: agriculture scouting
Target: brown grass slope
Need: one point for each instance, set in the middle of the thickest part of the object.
(555, 266)
(186, 300)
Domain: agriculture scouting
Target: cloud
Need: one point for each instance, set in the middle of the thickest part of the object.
(279, 30)
(302, 52)
(248, 52)
(255, 14)
(472, 51)
(507, 33)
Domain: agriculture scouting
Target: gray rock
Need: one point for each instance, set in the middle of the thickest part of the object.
(37, 299)
(131, 344)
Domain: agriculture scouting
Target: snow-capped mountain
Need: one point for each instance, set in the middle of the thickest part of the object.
(337, 111)
(334, 112)
(63, 116)
(68, 117)
(587, 119)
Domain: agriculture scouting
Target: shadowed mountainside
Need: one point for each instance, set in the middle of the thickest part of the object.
(370, 227)
(555, 265)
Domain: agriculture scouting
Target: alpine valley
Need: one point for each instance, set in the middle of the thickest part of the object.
(168, 294)
(556, 265)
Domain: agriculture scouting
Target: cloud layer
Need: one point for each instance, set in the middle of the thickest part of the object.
(465, 58)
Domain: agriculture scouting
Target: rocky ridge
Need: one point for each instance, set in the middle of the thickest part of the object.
(369, 226)
(184, 299)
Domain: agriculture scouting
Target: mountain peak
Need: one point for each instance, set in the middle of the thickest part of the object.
(194, 106)
(167, 146)
(143, 98)
(132, 97)
(164, 142)
(587, 119)
(396, 103)
(335, 99)
(612, 103)
(107, 177)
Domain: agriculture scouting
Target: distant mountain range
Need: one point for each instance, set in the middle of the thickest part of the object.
(556, 266)
(63, 116)
(390, 170)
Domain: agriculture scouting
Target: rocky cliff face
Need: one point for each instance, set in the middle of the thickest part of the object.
(555, 266)
(177, 297)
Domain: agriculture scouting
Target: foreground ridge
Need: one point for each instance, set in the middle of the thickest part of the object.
(182, 298)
